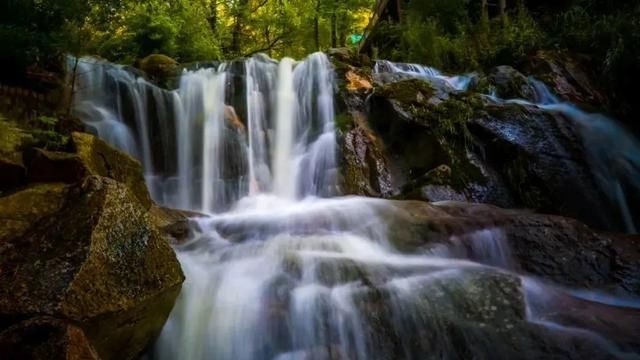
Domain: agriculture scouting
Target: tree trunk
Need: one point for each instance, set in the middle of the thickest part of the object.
(237, 26)
(484, 10)
(213, 17)
(316, 26)
(502, 8)
(343, 30)
(334, 28)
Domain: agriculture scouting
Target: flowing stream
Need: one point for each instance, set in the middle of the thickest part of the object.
(282, 268)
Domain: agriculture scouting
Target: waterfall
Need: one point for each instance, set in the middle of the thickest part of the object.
(281, 269)
(283, 168)
(613, 152)
(458, 82)
(197, 153)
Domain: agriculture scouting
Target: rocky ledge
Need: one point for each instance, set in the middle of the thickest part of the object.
(85, 270)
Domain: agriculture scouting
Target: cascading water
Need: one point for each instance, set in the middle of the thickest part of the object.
(612, 151)
(197, 155)
(279, 270)
(459, 82)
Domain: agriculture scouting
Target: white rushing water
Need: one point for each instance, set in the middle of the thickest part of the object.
(280, 270)
(197, 154)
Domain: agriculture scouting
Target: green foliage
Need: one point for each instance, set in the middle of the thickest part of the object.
(610, 33)
(35, 33)
(443, 34)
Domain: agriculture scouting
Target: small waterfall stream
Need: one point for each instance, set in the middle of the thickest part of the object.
(281, 269)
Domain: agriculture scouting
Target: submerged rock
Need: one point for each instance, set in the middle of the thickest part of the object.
(98, 262)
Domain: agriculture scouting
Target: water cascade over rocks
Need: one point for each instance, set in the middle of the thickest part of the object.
(613, 152)
(282, 270)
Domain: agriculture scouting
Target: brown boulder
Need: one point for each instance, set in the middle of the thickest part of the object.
(158, 67)
(98, 158)
(365, 169)
(20, 210)
(98, 262)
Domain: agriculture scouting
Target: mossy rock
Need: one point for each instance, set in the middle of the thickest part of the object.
(407, 92)
(12, 141)
(160, 68)
(98, 158)
(510, 83)
(98, 262)
(22, 209)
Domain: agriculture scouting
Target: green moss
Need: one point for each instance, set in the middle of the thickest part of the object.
(344, 121)
(411, 92)
(448, 122)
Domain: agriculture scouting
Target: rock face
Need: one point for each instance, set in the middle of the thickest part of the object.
(551, 247)
(511, 84)
(566, 76)
(442, 144)
(80, 247)
(365, 165)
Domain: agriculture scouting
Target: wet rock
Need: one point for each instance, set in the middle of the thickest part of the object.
(543, 163)
(46, 339)
(100, 263)
(233, 120)
(511, 84)
(423, 130)
(98, 158)
(559, 249)
(365, 168)
(565, 74)
(175, 224)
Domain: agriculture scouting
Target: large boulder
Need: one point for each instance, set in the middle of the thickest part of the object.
(20, 210)
(160, 68)
(543, 163)
(90, 157)
(565, 74)
(446, 145)
(425, 130)
(509, 83)
(99, 262)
